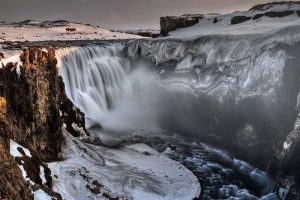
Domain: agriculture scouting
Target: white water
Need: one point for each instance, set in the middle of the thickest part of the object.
(101, 82)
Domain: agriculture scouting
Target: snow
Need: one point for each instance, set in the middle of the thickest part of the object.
(126, 172)
(24, 174)
(41, 31)
(42, 175)
(78, 129)
(15, 152)
(223, 27)
(34, 32)
(13, 149)
(13, 59)
(41, 195)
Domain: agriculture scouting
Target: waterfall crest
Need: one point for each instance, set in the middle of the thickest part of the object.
(92, 76)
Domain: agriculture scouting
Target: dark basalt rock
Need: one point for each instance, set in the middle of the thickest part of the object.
(171, 23)
(279, 14)
(239, 19)
(35, 99)
(33, 113)
(32, 103)
(12, 184)
(265, 6)
(257, 16)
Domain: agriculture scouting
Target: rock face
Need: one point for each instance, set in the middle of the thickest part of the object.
(12, 184)
(255, 131)
(33, 103)
(33, 111)
(171, 23)
(1, 55)
(35, 99)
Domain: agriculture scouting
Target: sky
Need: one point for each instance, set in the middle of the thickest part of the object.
(115, 14)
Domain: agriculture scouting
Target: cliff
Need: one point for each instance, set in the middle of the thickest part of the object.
(34, 112)
(259, 19)
(171, 23)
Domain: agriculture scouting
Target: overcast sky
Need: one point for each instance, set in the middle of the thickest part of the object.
(115, 14)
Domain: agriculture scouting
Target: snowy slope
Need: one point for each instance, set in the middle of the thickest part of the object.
(131, 172)
(36, 31)
(256, 24)
(50, 30)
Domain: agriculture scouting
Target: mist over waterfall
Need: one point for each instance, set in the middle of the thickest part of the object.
(113, 94)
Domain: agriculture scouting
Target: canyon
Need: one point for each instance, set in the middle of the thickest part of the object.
(211, 111)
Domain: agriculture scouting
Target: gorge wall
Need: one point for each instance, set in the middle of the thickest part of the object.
(171, 23)
(248, 86)
(34, 109)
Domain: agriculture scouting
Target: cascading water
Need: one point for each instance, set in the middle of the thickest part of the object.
(111, 93)
(93, 78)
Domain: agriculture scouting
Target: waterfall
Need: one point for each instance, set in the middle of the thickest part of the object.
(102, 83)
(93, 77)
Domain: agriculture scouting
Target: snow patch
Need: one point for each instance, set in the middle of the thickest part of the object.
(41, 195)
(42, 175)
(24, 174)
(15, 152)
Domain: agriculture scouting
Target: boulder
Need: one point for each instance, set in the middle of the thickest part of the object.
(71, 29)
